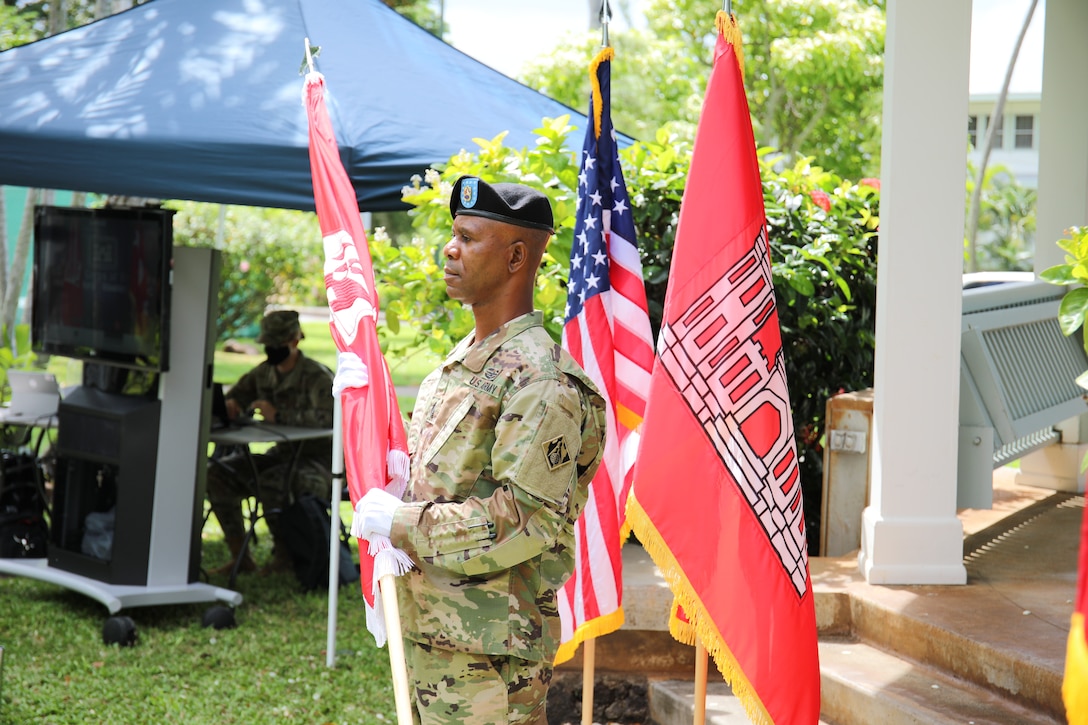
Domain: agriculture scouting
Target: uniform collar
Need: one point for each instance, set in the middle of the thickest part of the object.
(475, 356)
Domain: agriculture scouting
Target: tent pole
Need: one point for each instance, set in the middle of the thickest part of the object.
(334, 535)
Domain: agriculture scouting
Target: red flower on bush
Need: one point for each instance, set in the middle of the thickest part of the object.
(869, 181)
(821, 199)
(808, 434)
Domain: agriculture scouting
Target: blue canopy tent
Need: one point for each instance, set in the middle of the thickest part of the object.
(201, 100)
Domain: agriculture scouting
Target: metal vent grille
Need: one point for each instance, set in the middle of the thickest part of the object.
(1022, 446)
(1000, 304)
(1036, 365)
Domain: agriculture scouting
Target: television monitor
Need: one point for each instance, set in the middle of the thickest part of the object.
(101, 285)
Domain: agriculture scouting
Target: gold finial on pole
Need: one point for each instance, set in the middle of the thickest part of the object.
(606, 18)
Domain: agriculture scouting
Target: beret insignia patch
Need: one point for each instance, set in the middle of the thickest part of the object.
(470, 192)
(556, 453)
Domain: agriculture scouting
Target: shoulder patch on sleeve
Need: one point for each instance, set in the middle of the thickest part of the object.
(556, 452)
(545, 466)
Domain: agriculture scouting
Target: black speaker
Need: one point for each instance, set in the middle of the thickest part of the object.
(107, 446)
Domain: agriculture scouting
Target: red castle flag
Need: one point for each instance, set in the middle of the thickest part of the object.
(607, 331)
(716, 497)
(375, 445)
(1075, 684)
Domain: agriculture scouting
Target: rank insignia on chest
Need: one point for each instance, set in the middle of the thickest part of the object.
(556, 452)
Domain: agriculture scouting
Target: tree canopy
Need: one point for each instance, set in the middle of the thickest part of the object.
(813, 72)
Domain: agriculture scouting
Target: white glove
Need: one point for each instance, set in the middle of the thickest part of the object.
(374, 514)
(351, 372)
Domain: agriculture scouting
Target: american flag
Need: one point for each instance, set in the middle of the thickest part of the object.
(607, 330)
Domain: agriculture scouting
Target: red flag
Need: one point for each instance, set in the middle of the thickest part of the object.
(375, 445)
(716, 498)
(1075, 685)
(607, 331)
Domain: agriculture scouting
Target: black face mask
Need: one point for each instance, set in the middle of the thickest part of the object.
(276, 355)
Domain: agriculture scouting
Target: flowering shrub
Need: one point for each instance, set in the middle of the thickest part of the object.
(824, 267)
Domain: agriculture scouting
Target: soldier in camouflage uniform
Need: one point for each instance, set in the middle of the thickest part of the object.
(290, 389)
(505, 438)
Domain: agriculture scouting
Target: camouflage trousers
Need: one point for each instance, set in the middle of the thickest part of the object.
(230, 479)
(455, 688)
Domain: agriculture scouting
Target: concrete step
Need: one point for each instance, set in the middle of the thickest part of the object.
(1012, 651)
(672, 702)
(861, 685)
(1005, 631)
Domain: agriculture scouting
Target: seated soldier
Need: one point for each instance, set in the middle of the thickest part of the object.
(289, 389)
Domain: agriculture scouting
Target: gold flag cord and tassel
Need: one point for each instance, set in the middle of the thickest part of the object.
(727, 26)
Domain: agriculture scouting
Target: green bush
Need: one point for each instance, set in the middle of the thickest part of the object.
(823, 236)
(269, 256)
(1006, 223)
(823, 242)
(1074, 274)
(408, 273)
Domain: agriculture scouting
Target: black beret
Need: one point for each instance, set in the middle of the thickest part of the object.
(515, 204)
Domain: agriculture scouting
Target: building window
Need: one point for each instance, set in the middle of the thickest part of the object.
(972, 131)
(999, 131)
(1025, 127)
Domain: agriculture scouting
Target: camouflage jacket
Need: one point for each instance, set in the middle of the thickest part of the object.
(303, 397)
(505, 437)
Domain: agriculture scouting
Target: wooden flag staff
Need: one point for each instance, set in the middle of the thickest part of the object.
(589, 656)
(386, 584)
(701, 663)
(388, 588)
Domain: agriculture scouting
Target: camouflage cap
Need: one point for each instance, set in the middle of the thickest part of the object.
(279, 327)
(515, 204)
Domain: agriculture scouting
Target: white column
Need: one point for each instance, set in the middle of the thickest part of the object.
(910, 533)
(1063, 202)
(1063, 131)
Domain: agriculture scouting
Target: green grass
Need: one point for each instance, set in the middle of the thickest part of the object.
(406, 371)
(272, 667)
(56, 669)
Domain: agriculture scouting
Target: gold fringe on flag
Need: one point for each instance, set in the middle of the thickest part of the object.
(699, 618)
(605, 54)
(727, 26)
(597, 627)
(1075, 684)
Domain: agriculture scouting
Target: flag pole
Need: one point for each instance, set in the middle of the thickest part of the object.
(388, 588)
(338, 213)
(589, 657)
(589, 646)
(701, 659)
